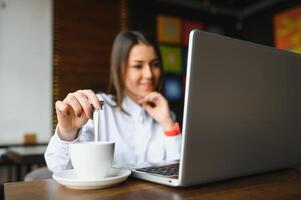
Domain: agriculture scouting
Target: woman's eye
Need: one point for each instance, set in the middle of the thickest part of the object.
(137, 66)
(156, 64)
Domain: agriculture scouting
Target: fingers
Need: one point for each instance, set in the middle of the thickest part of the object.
(151, 99)
(61, 108)
(81, 101)
(92, 98)
(84, 103)
(72, 101)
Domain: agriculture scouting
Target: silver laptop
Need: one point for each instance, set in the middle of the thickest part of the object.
(242, 112)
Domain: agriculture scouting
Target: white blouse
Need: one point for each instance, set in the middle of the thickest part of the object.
(138, 137)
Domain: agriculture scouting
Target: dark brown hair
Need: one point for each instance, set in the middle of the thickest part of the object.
(122, 46)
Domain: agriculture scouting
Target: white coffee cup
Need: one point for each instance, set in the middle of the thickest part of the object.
(92, 160)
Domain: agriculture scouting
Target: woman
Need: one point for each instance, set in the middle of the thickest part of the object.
(135, 115)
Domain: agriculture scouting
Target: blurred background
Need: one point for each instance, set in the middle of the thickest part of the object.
(49, 48)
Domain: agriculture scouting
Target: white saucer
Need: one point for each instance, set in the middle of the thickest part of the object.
(69, 179)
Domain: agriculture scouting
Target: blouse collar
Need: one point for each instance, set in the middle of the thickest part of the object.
(134, 109)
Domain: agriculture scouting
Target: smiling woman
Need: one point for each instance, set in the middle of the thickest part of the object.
(136, 116)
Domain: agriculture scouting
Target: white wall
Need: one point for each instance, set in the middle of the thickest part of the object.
(25, 69)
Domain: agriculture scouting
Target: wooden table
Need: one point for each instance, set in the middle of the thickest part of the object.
(26, 156)
(277, 185)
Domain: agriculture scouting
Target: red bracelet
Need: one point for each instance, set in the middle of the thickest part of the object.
(174, 131)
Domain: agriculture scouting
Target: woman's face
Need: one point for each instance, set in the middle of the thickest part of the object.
(142, 72)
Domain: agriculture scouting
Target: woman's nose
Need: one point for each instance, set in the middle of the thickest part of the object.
(147, 72)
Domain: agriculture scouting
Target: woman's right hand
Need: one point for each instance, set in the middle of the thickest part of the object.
(74, 111)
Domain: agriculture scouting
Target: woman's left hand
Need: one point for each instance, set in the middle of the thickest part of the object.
(157, 107)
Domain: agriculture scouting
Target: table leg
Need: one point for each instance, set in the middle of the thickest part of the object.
(18, 172)
(10, 172)
(1, 191)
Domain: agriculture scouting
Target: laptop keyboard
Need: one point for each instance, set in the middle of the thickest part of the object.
(166, 170)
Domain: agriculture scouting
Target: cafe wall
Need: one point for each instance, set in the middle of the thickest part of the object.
(25, 69)
(83, 36)
(261, 28)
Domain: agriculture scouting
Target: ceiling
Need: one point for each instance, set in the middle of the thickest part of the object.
(231, 4)
(235, 8)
